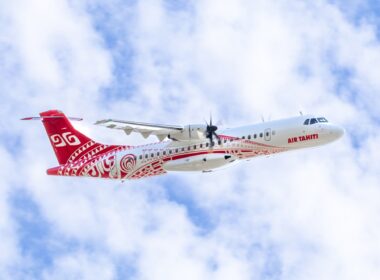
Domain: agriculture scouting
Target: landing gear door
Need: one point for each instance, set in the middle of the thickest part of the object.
(267, 134)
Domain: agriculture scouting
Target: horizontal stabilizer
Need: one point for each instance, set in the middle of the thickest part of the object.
(50, 117)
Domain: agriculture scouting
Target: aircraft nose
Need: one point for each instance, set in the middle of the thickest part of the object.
(337, 131)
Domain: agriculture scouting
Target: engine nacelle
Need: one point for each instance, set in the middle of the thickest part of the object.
(190, 132)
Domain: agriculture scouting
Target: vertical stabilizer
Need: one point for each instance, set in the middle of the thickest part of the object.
(64, 138)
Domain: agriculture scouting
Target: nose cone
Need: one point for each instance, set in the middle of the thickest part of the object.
(336, 132)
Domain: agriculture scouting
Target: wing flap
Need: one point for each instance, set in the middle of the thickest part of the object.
(145, 129)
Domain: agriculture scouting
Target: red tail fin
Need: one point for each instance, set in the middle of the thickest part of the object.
(64, 138)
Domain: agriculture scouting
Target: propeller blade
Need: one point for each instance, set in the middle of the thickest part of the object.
(216, 135)
(211, 131)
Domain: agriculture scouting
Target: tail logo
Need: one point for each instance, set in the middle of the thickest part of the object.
(67, 138)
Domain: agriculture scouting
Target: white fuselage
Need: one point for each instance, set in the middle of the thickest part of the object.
(134, 162)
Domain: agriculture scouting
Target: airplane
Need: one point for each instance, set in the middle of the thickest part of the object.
(194, 147)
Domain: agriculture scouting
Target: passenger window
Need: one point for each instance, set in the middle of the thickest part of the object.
(267, 133)
(188, 148)
(219, 142)
(313, 121)
(140, 157)
(306, 122)
(164, 153)
(243, 137)
(158, 154)
(183, 149)
(225, 140)
(206, 144)
(146, 155)
(255, 135)
(261, 135)
(170, 151)
(152, 155)
(195, 147)
(176, 150)
(201, 146)
(249, 136)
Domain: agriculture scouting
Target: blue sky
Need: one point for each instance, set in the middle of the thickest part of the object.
(311, 214)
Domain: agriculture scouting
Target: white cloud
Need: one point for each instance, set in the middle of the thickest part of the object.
(9, 254)
(58, 55)
(81, 266)
(309, 214)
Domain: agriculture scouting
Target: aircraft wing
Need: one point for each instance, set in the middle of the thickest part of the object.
(145, 129)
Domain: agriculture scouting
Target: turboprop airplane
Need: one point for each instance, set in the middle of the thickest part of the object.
(180, 148)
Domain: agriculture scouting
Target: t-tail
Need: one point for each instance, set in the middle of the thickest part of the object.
(69, 144)
(64, 138)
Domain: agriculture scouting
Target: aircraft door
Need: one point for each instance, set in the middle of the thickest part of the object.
(267, 134)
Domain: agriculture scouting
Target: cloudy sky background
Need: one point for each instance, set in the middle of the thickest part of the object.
(310, 214)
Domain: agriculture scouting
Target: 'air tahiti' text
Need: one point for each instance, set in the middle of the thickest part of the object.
(303, 138)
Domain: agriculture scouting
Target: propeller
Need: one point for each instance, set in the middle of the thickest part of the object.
(211, 132)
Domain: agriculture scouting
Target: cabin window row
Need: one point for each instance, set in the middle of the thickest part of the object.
(254, 136)
(172, 151)
(177, 150)
(200, 146)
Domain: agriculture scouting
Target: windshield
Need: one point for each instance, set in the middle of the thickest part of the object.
(315, 120)
(322, 120)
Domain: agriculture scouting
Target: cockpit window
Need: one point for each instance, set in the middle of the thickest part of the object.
(313, 121)
(322, 120)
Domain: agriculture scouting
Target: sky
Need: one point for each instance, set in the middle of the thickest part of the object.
(310, 214)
